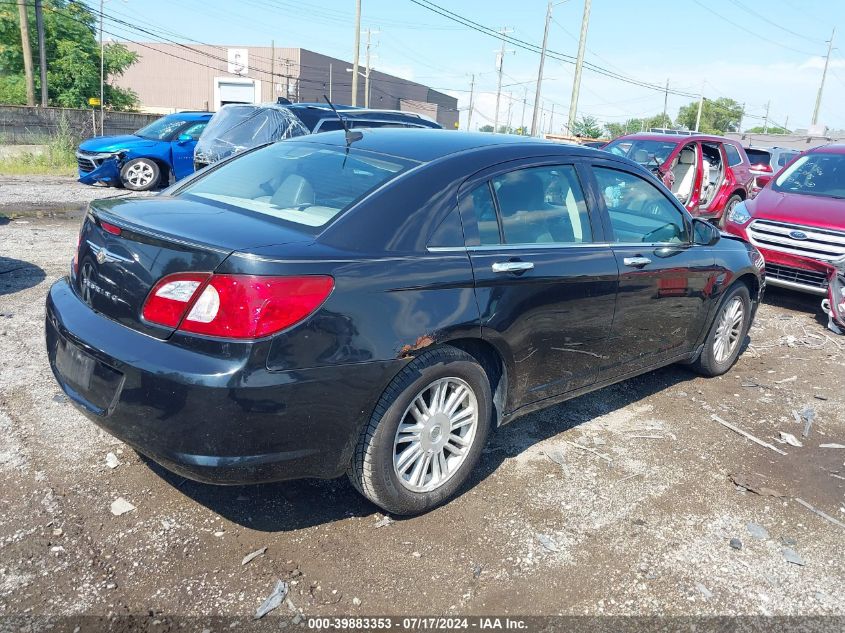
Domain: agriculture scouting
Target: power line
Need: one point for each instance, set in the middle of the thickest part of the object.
(762, 17)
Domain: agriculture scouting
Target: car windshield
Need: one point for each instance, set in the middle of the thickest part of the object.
(646, 152)
(818, 174)
(301, 183)
(161, 129)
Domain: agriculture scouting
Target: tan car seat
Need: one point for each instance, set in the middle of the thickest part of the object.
(684, 171)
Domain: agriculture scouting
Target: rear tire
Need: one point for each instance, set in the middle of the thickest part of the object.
(140, 174)
(731, 203)
(727, 333)
(425, 463)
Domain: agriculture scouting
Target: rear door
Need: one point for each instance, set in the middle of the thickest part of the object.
(545, 281)
(664, 279)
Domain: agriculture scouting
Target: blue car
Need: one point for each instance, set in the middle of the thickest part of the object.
(147, 158)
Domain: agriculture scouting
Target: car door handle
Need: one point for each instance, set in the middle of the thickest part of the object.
(636, 262)
(512, 267)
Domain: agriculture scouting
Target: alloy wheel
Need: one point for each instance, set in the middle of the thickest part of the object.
(728, 330)
(435, 434)
(140, 174)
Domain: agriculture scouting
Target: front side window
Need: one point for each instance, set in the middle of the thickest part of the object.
(542, 205)
(819, 174)
(301, 183)
(195, 130)
(639, 211)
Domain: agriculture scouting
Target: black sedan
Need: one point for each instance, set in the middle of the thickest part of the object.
(378, 303)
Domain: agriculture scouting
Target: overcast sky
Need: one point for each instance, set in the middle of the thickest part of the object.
(752, 51)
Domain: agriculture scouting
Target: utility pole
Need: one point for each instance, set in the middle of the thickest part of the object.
(510, 111)
(540, 70)
(367, 76)
(330, 81)
(42, 51)
(700, 108)
(27, 53)
(579, 64)
(356, 52)
(766, 119)
(824, 75)
(524, 102)
(665, 104)
(552, 119)
(102, 74)
(741, 117)
(500, 60)
(471, 106)
(786, 125)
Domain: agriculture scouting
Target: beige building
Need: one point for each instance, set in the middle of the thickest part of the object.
(171, 77)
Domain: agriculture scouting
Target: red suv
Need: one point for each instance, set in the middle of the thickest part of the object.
(797, 221)
(708, 174)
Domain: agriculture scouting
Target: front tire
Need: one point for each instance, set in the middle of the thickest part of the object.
(426, 433)
(727, 333)
(140, 174)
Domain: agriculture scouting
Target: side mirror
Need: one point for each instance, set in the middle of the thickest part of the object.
(762, 181)
(704, 233)
(184, 138)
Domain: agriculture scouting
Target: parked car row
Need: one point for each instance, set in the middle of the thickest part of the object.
(174, 146)
(375, 304)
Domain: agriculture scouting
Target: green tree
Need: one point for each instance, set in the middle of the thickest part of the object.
(717, 116)
(587, 126)
(486, 128)
(771, 130)
(73, 57)
(630, 126)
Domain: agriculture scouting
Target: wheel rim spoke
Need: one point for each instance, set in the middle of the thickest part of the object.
(435, 434)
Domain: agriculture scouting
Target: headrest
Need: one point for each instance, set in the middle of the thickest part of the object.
(687, 156)
(640, 156)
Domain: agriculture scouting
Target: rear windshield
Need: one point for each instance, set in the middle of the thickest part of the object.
(648, 153)
(785, 157)
(758, 156)
(815, 175)
(302, 183)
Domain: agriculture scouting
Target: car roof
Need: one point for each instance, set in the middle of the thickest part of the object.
(427, 144)
(191, 115)
(831, 148)
(677, 138)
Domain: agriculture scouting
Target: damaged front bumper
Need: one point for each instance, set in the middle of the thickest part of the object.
(834, 305)
(104, 167)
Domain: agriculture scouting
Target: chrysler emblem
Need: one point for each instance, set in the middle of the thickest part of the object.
(798, 235)
(101, 256)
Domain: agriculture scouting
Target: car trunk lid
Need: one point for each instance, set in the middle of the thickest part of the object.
(126, 246)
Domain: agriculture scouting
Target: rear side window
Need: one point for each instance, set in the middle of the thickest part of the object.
(299, 183)
(480, 203)
(785, 157)
(541, 205)
(758, 156)
(734, 157)
(638, 210)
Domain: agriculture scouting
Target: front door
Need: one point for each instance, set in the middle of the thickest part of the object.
(545, 288)
(664, 278)
(183, 150)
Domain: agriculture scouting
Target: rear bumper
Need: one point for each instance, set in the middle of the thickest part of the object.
(217, 420)
(789, 271)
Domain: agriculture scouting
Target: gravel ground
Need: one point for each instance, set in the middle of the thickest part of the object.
(44, 196)
(619, 502)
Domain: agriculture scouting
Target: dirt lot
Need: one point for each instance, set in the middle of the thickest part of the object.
(619, 502)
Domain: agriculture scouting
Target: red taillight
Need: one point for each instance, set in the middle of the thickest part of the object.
(235, 306)
(110, 228)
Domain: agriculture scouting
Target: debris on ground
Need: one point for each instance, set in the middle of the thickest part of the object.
(757, 531)
(790, 439)
(547, 542)
(253, 555)
(556, 456)
(735, 543)
(831, 445)
(808, 414)
(273, 601)
(746, 434)
(791, 556)
(121, 506)
(383, 522)
(111, 460)
(754, 484)
(823, 515)
(704, 591)
(356, 602)
(590, 450)
(790, 379)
